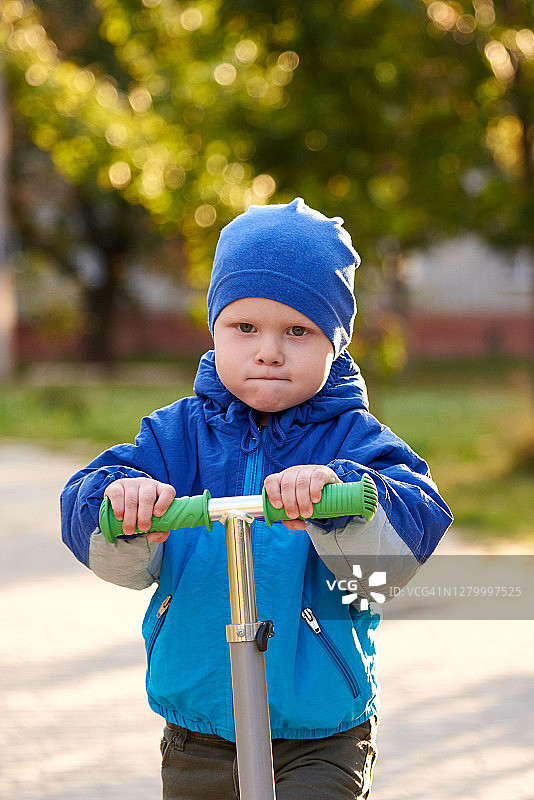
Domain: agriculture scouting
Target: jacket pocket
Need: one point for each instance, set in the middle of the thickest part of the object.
(161, 616)
(332, 649)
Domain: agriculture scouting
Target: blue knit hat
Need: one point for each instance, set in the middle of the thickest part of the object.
(292, 254)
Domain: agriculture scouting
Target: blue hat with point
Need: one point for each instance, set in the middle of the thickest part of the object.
(294, 255)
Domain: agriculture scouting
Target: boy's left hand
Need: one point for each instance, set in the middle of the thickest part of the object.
(296, 489)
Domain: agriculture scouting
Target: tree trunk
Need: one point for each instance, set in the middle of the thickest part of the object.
(110, 231)
(100, 304)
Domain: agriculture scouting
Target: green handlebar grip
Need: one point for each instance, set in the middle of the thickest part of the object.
(183, 512)
(338, 500)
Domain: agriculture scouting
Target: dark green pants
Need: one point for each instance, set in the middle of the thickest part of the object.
(196, 766)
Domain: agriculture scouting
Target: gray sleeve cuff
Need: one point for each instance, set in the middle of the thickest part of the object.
(372, 547)
(131, 562)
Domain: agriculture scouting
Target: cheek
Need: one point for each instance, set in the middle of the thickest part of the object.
(328, 367)
(322, 372)
(222, 364)
(228, 365)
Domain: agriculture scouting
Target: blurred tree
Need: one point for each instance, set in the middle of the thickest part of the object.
(489, 44)
(409, 118)
(80, 233)
(79, 230)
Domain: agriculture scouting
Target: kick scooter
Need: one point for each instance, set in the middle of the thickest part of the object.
(246, 636)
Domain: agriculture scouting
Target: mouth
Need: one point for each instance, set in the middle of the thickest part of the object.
(266, 378)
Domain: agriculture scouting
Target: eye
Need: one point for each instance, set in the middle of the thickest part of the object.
(245, 327)
(298, 330)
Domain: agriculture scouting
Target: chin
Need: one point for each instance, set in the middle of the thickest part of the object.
(268, 406)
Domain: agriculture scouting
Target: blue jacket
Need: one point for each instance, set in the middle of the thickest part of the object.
(320, 663)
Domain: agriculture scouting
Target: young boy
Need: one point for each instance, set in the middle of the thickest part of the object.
(278, 402)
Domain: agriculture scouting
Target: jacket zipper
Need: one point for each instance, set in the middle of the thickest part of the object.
(332, 649)
(160, 619)
(253, 472)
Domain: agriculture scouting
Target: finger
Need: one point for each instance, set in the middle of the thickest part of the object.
(115, 492)
(165, 495)
(272, 487)
(288, 491)
(319, 478)
(158, 536)
(145, 505)
(302, 493)
(131, 502)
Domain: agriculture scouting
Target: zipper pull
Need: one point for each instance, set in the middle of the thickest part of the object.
(164, 606)
(308, 615)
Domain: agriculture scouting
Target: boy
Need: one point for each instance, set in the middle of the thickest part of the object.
(278, 402)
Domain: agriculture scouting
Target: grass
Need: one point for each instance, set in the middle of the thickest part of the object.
(469, 423)
(471, 430)
(99, 415)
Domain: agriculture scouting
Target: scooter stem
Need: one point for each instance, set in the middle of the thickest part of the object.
(249, 684)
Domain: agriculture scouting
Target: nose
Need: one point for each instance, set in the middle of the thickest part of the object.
(269, 351)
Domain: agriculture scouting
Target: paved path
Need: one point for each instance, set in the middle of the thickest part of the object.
(457, 695)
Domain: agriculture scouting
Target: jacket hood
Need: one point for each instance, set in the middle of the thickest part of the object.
(345, 388)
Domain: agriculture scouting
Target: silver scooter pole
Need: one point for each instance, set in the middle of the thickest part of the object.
(247, 639)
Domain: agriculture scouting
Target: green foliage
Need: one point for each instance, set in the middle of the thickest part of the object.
(523, 463)
(406, 118)
(382, 352)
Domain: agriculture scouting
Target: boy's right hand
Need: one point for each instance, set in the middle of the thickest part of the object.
(136, 500)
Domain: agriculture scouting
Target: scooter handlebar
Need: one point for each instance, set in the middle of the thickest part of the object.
(358, 499)
(183, 512)
(338, 500)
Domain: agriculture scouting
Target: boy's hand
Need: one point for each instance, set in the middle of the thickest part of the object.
(136, 500)
(296, 489)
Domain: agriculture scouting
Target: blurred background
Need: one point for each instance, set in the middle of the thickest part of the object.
(131, 131)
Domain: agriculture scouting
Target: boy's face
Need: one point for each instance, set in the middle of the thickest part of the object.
(269, 355)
